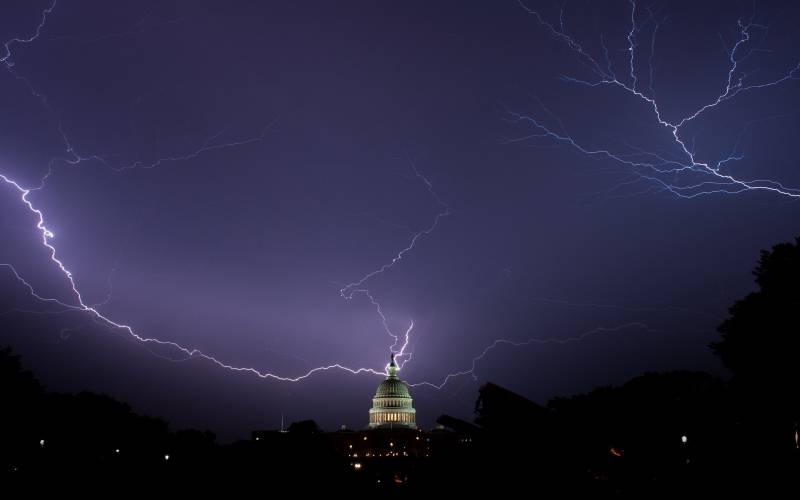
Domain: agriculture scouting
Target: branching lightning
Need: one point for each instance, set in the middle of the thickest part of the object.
(681, 174)
(657, 165)
(358, 287)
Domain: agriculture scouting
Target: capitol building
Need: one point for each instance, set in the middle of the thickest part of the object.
(389, 448)
(391, 406)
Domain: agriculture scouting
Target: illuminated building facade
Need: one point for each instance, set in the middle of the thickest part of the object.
(391, 406)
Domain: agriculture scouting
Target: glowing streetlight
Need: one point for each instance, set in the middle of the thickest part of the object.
(684, 439)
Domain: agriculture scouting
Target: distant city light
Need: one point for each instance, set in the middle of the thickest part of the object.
(41, 442)
(166, 457)
(357, 466)
(684, 439)
(116, 450)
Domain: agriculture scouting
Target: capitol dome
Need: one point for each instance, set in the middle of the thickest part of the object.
(391, 406)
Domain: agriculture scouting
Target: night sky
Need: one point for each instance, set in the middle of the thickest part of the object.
(217, 173)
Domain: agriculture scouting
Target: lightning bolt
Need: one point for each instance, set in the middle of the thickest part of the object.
(358, 287)
(683, 175)
(348, 290)
(6, 59)
(80, 305)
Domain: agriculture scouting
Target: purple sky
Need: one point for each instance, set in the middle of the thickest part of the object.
(283, 139)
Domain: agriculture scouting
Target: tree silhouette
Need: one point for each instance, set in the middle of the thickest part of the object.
(761, 338)
(22, 403)
(305, 427)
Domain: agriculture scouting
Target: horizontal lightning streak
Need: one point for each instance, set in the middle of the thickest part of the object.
(522, 343)
(46, 235)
